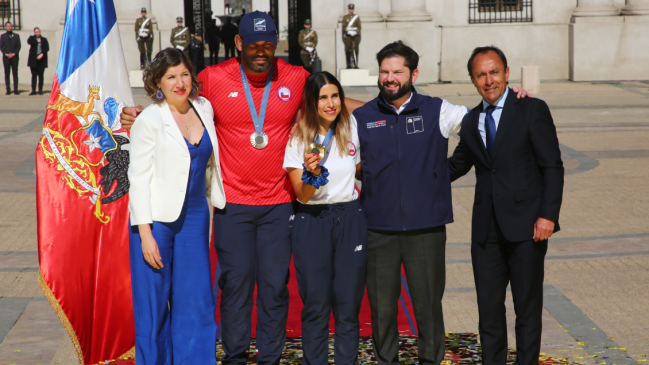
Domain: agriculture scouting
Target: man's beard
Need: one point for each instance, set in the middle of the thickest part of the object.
(255, 67)
(401, 91)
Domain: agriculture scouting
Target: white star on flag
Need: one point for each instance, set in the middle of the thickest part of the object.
(92, 142)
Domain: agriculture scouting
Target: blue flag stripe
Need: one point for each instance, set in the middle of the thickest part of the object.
(85, 30)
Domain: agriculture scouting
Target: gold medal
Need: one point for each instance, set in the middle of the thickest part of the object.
(316, 149)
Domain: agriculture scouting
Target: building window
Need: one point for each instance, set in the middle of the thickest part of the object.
(500, 11)
(10, 12)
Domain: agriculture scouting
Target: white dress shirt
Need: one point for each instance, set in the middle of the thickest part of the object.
(499, 104)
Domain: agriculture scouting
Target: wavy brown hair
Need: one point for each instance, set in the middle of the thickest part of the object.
(307, 127)
(168, 57)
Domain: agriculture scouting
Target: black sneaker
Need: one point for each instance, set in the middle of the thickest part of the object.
(40, 92)
(32, 93)
(16, 92)
(8, 92)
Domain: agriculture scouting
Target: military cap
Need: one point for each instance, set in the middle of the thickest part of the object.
(350, 6)
(143, 10)
(179, 19)
(307, 22)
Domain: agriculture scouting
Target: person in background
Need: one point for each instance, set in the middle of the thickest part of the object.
(37, 60)
(228, 32)
(308, 39)
(144, 38)
(197, 50)
(351, 36)
(171, 144)
(329, 229)
(180, 38)
(10, 46)
(214, 41)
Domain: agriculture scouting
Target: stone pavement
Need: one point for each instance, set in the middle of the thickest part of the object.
(597, 267)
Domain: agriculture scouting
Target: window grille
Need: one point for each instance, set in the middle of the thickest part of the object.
(500, 11)
(10, 12)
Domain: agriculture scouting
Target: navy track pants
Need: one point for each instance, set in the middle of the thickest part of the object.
(330, 255)
(253, 245)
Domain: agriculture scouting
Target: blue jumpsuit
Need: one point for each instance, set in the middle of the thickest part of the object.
(174, 306)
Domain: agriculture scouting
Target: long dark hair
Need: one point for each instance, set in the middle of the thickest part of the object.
(307, 127)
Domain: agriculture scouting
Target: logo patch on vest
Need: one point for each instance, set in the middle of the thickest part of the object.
(380, 123)
(260, 25)
(415, 124)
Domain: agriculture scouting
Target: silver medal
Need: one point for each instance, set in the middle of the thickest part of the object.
(259, 140)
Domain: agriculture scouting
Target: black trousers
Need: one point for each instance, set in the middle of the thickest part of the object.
(11, 66)
(37, 73)
(229, 50)
(497, 263)
(214, 53)
(253, 245)
(329, 244)
(422, 254)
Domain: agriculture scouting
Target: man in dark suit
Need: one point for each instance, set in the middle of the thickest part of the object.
(514, 147)
(10, 44)
(228, 32)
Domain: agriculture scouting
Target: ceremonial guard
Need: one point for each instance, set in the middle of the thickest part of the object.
(144, 37)
(308, 39)
(180, 38)
(351, 36)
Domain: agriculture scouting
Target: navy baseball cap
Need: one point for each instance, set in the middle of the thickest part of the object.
(257, 26)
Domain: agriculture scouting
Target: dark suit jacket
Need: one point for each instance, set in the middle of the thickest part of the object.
(45, 47)
(10, 44)
(524, 180)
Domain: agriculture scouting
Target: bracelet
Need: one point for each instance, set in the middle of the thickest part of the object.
(317, 181)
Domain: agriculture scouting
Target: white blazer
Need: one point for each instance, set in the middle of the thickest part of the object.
(160, 162)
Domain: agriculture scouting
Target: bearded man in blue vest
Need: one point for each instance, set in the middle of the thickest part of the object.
(406, 195)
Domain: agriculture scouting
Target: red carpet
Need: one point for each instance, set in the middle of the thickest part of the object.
(293, 326)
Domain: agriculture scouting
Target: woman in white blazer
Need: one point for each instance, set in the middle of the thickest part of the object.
(172, 142)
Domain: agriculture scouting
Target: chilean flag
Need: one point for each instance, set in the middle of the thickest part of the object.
(82, 186)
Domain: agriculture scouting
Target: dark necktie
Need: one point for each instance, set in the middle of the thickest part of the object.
(490, 129)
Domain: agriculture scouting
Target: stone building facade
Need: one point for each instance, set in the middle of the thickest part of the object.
(580, 40)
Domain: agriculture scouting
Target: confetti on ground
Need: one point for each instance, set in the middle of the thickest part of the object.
(461, 349)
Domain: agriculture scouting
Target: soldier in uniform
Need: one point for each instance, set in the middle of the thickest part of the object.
(144, 37)
(180, 37)
(351, 36)
(308, 39)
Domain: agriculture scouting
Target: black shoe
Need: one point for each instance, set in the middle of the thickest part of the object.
(40, 92)
(16, 92)
(32, 93)
(8, 92)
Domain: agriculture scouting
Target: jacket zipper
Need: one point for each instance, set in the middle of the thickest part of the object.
(396, 134)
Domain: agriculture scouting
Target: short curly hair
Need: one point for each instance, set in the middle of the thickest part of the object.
(168, 57)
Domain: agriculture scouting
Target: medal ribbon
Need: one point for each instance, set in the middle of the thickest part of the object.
(257, 120)
(330, 134)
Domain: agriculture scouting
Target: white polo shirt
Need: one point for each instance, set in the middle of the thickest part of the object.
(342, 169)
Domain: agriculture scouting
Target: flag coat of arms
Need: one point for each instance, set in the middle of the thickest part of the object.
(82, 186)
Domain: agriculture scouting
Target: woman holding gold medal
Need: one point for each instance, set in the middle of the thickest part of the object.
(329, 230)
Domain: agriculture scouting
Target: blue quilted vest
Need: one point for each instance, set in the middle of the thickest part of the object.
(406, 181)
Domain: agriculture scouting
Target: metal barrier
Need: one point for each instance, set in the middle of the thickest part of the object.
(10, 12)
(500, 11)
